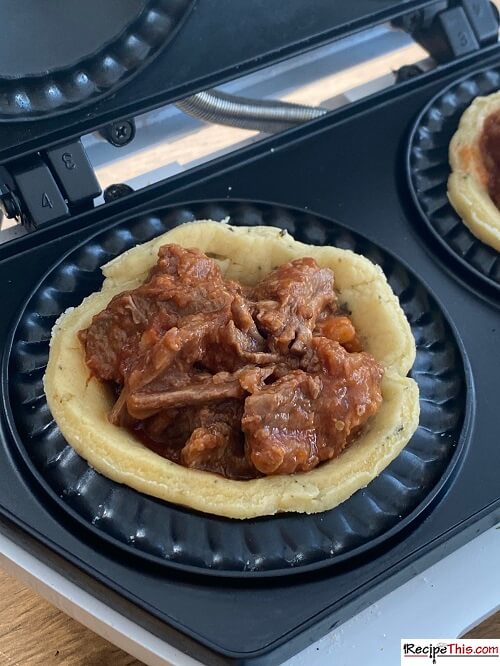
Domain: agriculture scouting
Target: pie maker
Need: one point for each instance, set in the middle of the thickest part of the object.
(370, 177)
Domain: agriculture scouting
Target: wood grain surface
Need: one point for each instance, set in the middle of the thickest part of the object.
(32, 633)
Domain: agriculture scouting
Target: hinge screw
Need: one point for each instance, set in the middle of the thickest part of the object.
(116, 191)
(119, 133)
(12, 207)
(407, 72)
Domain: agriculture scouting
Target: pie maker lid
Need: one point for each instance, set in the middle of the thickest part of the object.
(57, 55)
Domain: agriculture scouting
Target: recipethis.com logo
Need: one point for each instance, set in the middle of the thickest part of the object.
(448, 651)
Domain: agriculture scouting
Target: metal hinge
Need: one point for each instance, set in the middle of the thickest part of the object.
(48, 186)
(449, 29)
(59, 182)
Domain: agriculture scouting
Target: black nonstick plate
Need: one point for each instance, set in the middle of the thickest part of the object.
(168, 534)
(428, 170)
(60, 55)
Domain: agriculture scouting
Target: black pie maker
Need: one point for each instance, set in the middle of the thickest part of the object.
(370, 177)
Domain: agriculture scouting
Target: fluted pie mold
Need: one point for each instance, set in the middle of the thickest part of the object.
(428, 170)
(54, 62)
(173, 536)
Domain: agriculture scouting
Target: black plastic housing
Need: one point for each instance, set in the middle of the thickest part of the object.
(349, 166)
(267, 32)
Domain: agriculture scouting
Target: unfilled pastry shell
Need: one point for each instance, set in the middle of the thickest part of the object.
(81, 404)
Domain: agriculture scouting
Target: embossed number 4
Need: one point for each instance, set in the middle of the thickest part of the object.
(46, 202)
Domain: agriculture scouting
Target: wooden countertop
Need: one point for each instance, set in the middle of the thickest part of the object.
(32, 633)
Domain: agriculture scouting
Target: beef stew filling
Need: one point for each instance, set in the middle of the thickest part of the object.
(239, 381)
(489, 145)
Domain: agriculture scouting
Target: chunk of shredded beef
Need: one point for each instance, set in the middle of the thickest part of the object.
(238, 381)
(330, 403)
(288, 302)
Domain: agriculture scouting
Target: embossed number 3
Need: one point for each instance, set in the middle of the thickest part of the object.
(67, 158)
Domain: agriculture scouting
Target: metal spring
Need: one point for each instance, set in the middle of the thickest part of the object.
(267, 116)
